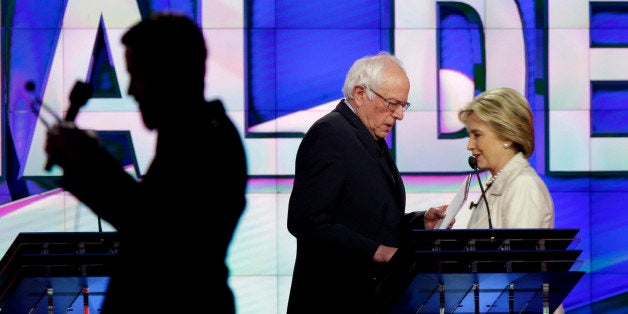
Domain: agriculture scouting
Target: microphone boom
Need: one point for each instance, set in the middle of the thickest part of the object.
(473, 163)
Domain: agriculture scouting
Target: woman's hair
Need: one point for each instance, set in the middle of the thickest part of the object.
(507, 113)
(368, 71)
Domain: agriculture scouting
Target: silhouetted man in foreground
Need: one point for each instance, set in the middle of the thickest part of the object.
(177, 221)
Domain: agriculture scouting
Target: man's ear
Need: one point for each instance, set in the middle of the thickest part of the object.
(359, 94)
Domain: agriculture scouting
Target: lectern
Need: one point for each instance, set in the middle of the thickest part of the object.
(482, 271)
(58, 272)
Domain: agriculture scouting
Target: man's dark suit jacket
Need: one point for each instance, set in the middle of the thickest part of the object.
(347, 199)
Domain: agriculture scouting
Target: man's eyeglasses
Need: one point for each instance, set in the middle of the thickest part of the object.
(392, 104)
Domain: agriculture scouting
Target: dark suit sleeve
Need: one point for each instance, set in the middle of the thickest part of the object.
(99, 181)
(414, 220)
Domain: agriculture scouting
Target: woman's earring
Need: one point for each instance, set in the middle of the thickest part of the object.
(506, 145)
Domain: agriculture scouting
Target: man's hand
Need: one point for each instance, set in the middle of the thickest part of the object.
(66, 144)
(384, 254)
(434, 215)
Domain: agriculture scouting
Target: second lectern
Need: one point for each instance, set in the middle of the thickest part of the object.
(482, 271)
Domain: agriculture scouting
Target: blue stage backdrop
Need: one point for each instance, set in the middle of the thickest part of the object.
(278, 65)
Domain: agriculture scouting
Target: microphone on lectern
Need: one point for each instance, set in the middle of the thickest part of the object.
(474, 164)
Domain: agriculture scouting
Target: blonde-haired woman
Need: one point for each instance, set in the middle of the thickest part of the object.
(501, 138)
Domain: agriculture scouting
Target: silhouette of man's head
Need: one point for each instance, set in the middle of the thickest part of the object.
(165, 56)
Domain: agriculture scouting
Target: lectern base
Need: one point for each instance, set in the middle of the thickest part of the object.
(66, 295)
(485, 293)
